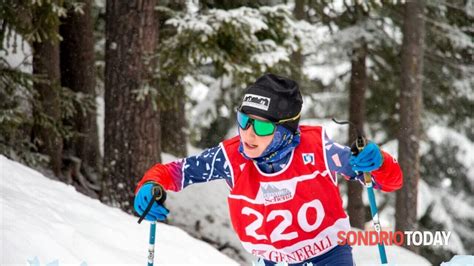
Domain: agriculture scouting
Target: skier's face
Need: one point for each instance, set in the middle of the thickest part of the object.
(254, 145)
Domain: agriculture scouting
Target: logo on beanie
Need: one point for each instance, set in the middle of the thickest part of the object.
(256, 101)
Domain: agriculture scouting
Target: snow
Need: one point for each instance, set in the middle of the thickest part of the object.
(211, 23)
(392, 30)
(326, 73)
(459, 260)
(17, 53)
(470, 8)
(272, 57)
(463, 87)
(465, 154)
(424, 199)
(457, 37)
(99, 3)
(197, 90)
(205, 91)
(99, 101)
(369, 255)
(49, 221)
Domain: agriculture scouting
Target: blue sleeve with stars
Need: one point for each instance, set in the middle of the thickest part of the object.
(338, 157)
(210, 165)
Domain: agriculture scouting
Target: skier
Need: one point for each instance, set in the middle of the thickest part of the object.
(284, 202)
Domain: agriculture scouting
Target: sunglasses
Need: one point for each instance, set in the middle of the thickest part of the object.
(260, 127)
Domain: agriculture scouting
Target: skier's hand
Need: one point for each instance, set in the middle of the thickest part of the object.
(367, 160)
(143, 197)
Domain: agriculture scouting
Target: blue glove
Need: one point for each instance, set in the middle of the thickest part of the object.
(142, 199)
(369, 159)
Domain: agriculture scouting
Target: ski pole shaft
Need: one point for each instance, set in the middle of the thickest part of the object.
(159, 196)
(151, 248)
(360, 143)
(375, 215)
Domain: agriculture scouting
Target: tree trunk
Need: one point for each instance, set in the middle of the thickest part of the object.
(297, 56)
(358, 85)
(173, 124)
(78, 74)
(173, 138)
(410, 115)
(132, 124)
(47, 138)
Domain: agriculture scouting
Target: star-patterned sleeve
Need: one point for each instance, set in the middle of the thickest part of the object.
(210, 165)
(387, 178)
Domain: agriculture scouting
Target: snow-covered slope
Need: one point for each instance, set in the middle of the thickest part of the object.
(49, 221)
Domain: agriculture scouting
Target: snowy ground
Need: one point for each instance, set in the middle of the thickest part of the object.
(50, 221)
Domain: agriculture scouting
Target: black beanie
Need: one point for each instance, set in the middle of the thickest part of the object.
(274, 98)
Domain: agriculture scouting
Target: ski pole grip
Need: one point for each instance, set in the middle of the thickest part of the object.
(159, 196)
(360, 143)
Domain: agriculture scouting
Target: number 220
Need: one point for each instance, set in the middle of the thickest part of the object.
(277, 233)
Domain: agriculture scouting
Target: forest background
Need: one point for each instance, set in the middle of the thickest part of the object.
(93, 93)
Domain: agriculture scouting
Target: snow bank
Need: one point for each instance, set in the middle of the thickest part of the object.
(49, 221)
(369, 255)
(459, 260)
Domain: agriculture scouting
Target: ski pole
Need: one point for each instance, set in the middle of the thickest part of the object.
(158, 196)
(360, 144)
(151, 248)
